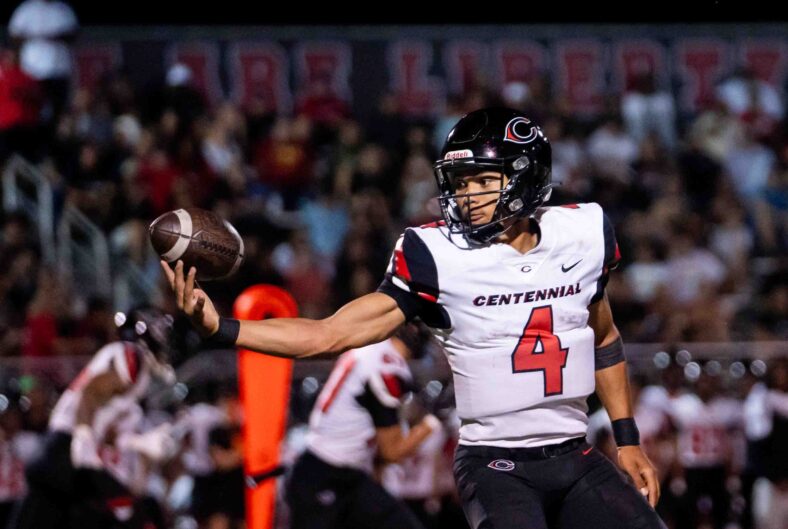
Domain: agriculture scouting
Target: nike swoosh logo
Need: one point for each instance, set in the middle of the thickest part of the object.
(568, 268)
(585, 452)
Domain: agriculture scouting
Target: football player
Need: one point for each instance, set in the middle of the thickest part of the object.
(69, 484)
(515, 292)
(708, 422)
(354, 419)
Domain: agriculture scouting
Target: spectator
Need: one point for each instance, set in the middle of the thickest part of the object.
(705, 420)
(222, 147)
(44, 31)
(20, 106)
(569, 158)
(690, 266)
(754, 101)
(647, 273)
(766, 406)
(647, 109)
(321, 104)
(612, 151)
(284, 160)
(749, 167)
(417, 187)
(716, 131)
(771, 210)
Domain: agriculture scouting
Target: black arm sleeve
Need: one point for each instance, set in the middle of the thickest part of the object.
(609, 355)
(382, 415)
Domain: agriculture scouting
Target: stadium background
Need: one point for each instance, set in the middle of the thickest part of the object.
(317, 141)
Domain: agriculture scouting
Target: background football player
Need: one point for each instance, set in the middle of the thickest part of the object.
(69, 484)
(354, 420)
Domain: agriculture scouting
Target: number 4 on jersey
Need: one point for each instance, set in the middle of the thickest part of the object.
(540, 350)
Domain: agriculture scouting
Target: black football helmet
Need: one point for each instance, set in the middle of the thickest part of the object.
(501, 140)
(149, 327)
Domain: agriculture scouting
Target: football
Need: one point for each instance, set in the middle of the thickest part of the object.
(199, 238)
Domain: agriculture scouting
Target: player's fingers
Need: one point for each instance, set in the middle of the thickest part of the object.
(168, 273)
(188, 289)
(637, 479)
(200, 303)
(179, 284)
(652, 483)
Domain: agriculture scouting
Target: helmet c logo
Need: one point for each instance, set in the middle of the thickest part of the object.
(514, 130)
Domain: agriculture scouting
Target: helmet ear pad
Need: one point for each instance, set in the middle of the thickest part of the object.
(526, 190)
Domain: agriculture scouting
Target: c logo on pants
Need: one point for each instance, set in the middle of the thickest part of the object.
(504, 465)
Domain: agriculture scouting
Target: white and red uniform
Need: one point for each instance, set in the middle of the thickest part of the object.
(514, 326)
(121, 416)
(124, 358)
(704, 438)
(362, 393)
(199, 420)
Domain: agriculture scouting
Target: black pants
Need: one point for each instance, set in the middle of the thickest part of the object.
(708, 482)
(448, 516)
(566, 486)
(63, 497)
(322, 496)
(220, 492)
(6, 508)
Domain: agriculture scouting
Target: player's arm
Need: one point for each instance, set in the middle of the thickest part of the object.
(100, 389)
(612, 387)
(98, 392)
(381, 399)
(612, 384)
(366, 320)
(395, 445)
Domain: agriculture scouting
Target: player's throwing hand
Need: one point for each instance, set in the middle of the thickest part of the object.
(194, 302)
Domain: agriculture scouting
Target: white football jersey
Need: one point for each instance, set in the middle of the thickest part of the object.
(125, 358)
(121, 415)
(199, 420)
(362, 393)
(704, 437)
(514, 326)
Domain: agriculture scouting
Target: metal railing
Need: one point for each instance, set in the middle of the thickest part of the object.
(73, 243)
(221, 365)
(83, 254)
(28, 190)
(130, 286)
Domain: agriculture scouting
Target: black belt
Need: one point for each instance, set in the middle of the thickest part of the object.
(522, 454)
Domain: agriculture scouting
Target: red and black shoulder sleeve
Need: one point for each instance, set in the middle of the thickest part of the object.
(412, 280)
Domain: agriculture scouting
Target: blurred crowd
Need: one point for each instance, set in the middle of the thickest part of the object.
(699, 202)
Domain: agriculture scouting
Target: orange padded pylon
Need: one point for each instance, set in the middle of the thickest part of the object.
(264, 383)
